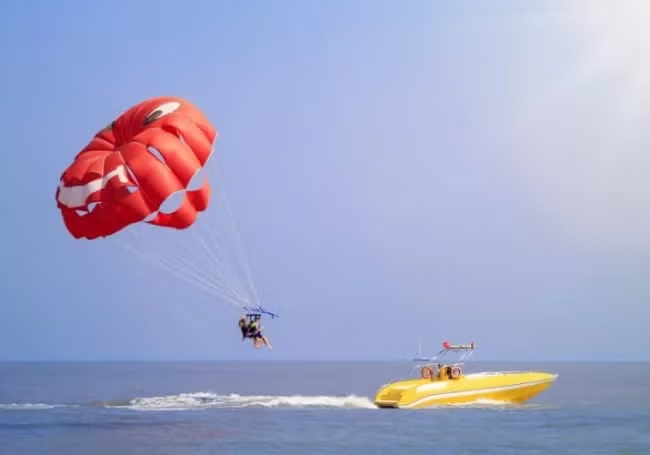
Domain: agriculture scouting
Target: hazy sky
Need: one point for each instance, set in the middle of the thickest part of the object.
(452, 170)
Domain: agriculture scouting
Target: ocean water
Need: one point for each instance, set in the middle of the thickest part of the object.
(308, 408)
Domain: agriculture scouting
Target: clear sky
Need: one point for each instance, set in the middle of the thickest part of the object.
(452, 170)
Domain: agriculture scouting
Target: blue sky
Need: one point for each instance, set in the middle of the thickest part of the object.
(450, 170)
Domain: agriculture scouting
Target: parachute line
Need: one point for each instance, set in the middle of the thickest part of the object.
(208, 256)
(181, 272)
(239, 244)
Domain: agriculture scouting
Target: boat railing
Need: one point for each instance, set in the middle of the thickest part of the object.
(450, 356)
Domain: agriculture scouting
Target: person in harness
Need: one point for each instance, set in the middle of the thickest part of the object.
(249, 325)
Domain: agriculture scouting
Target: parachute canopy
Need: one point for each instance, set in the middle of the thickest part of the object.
(129, 168)
(120, 185)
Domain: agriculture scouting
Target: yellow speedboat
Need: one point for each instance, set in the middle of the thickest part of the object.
(443, 383)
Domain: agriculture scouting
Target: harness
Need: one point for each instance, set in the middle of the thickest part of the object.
(250, 325)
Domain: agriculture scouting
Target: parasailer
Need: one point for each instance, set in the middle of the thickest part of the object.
(250, 327)
(124, 175)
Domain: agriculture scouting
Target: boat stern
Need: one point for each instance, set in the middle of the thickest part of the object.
(397, 394)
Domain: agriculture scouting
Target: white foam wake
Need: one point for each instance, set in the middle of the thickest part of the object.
(29, 406)
(202, 400)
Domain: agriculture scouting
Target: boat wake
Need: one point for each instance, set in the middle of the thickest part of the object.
(204, 400)
(209, 400)
(30, 406)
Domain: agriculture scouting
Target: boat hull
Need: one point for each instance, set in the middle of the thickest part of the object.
(507, 387)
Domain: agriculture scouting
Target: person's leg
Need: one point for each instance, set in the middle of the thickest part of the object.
(265, 341)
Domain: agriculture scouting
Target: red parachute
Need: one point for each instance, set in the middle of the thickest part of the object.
(132, 166)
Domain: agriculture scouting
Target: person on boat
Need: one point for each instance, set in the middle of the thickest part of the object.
(253, 330)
